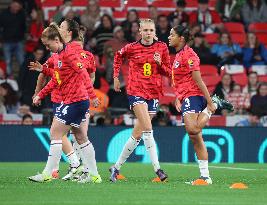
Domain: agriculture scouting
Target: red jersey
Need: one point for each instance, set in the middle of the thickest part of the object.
(48, 70)
(186, 61)
(70, 77)
(144, 79)
(89, 61)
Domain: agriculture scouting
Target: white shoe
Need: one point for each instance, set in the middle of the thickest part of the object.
(72, 172)
(40, 178)
(201, 181)
(88, 178)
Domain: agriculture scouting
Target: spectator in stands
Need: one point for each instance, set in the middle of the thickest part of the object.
(118, 41)
(133, 34)
(240, 100)
(229, 10)
(132, 16)
(252, 120)
(163, 31)
(226, 51)
(9, 98)
(254, 52)
(36, 28)
(27, 119)
(254, 11)
(223, 88)
(59, 14)
(69, 13)
(103, 33)
(28, 79)
(201, 47)
(253, 84)
(13, 25)
(195, 28)
(259, 101)
(12, 82)
(103, 100)
(179, 16)
(209, 20)
(91, 18)
(153, 13)
(162, 117)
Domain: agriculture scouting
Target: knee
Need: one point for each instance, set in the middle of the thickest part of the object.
(192, 130)
(147, 127)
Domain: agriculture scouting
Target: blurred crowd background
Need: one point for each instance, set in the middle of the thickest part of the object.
(230, 37)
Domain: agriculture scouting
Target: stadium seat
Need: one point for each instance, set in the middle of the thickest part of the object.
(143, 14)
(258, 27)
(164, 4)
(110, 3)
(233, 27)
(79, 2)
(104, 85)
(262, 78)
(239, 38)
(191, 5)
(51, 3)
(212, 38)
(240, 79)
(211, 80)
(208, 70)
(119, 15)
(136, 4)
(262, 37)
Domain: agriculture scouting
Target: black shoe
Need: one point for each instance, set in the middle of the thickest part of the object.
(222, 104)
(162, 176)
(114, 174)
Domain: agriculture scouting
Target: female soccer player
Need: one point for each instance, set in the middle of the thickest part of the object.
(148, 60)
(193, 98)
(75, 87)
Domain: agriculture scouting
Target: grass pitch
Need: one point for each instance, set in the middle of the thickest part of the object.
(15, 188)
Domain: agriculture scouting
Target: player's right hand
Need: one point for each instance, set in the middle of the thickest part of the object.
(178, 105)
(36, 101)
(211, 107)
(117, 85)
(96, 102)
(35, 66)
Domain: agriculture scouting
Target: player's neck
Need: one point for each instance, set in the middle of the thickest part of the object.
(147, 43)
(179, 47)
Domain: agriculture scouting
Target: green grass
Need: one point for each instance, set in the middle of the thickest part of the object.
(15, 188)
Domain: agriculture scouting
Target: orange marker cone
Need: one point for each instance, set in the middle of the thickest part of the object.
(238, 186)
(200, 182)
(121, 177)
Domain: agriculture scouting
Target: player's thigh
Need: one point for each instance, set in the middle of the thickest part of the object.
(190, 121)
(80, 132)
(58, 130)
(141, 113)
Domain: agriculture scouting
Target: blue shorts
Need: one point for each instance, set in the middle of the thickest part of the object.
(193, 104)
(151, 104)
(72, 114)
(55, 105)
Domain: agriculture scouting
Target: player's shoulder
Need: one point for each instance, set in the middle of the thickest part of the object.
(190, 52)
(161, 43)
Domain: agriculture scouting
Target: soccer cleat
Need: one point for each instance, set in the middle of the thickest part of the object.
(55, 174)
(201, 181)
(72, 172)
(88, 178)
(222, 104)
(114, 174)
(40, 178)
(162, 176)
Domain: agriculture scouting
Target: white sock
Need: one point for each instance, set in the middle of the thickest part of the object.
(203, 168)
(128, 148)
(207, 112)
(73, 159)
(76, 147)
(151, 148)
(88, 158)
(54, 156)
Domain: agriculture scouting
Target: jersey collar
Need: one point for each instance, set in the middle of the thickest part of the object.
(154, 41)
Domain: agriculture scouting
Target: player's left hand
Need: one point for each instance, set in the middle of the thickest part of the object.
(35, 66)
(96, 102)
(157, 58)
(36, 101)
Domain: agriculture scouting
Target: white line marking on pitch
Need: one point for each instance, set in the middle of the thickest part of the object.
(219, 167)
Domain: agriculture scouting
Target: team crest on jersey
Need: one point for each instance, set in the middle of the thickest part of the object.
(176, 64)
(59, 64)
(190, 63)
(80, 65)
(83, 55)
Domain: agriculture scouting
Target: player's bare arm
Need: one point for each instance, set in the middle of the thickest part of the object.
(117, 85)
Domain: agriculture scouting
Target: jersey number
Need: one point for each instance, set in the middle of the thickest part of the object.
(147, 69)
(57, 77)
